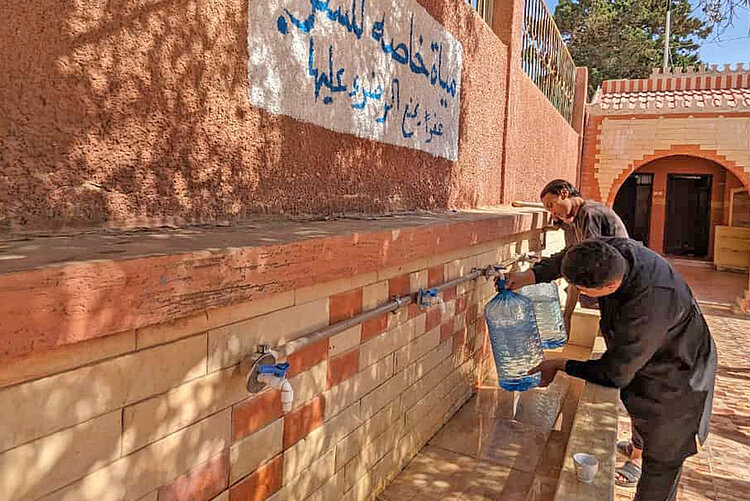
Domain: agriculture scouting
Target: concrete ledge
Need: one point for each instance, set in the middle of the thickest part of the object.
(584, 327)
(58, 290)
(595, 432)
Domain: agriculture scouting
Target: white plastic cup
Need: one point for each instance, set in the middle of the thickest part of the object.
(586, 467)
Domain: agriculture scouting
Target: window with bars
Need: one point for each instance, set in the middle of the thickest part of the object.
(483, 8)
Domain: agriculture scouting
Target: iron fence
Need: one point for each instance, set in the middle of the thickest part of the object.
(545, 58)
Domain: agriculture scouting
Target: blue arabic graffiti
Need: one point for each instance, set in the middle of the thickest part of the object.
(372, 90)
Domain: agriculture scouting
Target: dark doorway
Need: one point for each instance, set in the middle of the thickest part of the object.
(688, 221)
(633, 205)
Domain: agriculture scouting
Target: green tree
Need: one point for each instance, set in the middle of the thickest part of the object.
(625, 38)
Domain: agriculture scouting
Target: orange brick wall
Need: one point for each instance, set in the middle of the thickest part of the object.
(615, 146)
(161, 413)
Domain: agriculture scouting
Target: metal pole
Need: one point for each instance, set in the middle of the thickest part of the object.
(665, 64)
(326, 332)
(287, 349)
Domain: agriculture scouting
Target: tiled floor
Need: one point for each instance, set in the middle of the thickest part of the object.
(709, 285)
(721, 471)
(496, 448)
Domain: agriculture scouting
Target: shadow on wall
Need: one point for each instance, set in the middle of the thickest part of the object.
(137, 113)
(70, 425)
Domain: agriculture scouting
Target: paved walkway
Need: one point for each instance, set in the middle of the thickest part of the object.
(721, 472)
(498, 447)
(709, 285)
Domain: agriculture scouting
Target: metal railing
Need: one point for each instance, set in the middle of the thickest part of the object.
(545, 58)
(484, 9)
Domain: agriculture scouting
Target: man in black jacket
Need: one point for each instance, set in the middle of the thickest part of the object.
(659, 350)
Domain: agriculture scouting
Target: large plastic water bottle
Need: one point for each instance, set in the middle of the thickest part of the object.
(549, 317)
(514, 337)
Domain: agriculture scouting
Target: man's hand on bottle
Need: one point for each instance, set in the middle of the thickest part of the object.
(549, 369)
(518, 279)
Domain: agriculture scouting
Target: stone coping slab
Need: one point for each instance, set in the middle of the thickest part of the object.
(61, 289)
(595, 432)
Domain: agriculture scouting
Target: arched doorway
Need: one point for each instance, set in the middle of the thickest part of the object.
(695, 211)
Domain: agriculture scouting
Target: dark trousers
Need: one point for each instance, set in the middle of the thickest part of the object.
(659, 481)
(636, 438)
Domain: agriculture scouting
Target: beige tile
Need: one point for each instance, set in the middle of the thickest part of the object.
(418, 280)
(374, 295)
(372, 452)
(312, 478)
(226, 315)
(419, 325)
(459, 321)
(423, 409)
(350, 446)
(383, 472)
(427, 363)
(224, 496)
(384, 344)
(228, 345)
(348, 392)
(301, 455)
(152, 419)
(383, 394)
(153, 335)
(450, 256)
(401, 269)
(309, 384)
(397, 317)
(360, 491)
(323, 290)
(333, 489)
(252, 451)
(417, 348)
(140, 473)
(344, 341)
(345, 421)
(154, 496)
(387, 418)
(50, 404)
(454, 269)
(40, 467)
(40, 364)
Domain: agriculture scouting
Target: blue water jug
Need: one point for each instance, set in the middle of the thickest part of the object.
(514, 337)
(549, 317)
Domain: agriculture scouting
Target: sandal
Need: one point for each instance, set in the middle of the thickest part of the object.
(625, 447)
(631, 472)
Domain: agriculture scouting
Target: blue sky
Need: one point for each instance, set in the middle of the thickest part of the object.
(731, 46)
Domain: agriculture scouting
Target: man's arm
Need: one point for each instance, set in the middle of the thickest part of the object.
(644, 330)
(548, 269)
(570, 305)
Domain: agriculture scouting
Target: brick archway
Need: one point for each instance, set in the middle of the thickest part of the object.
(688, 150)
(692, 150)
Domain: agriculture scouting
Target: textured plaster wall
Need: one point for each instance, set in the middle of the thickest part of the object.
(541, 145)
(136, 112)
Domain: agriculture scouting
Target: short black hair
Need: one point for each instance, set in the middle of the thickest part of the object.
(593, 264)
(556, 186)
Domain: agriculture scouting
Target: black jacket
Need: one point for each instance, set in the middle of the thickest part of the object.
(659, 351)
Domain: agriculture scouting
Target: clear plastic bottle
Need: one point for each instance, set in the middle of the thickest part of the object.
(514, 337)
(549, 317)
